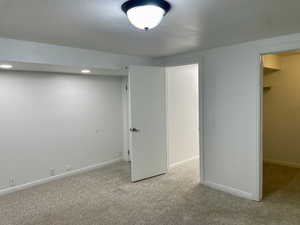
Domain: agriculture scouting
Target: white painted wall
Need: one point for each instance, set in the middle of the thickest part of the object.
(230, 81)
(182, 113)
(231, 84)
(54, 120)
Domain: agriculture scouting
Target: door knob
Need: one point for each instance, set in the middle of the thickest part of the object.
(134, 130)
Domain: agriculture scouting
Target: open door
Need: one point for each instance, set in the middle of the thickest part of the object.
(147, 122)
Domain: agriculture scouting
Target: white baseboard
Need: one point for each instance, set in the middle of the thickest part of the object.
(282, 163)
(57, 177)
(230, 190)
(183, 161)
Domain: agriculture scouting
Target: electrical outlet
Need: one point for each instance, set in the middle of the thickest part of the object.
(52, 172)
(12, 182)
(68, 167)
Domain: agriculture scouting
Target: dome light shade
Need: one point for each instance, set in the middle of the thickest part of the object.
(146, 14)
(145, 17)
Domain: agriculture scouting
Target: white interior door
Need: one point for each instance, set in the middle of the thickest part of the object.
(147, 122)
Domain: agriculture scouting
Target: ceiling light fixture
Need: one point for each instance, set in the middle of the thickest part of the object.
(85, 71)
(146, 14)
(6, 66)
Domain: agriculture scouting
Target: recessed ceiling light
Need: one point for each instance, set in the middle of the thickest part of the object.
(85, 71)
(6, 66)
(146, 14)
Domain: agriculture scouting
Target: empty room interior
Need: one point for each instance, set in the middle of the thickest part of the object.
(149, 112)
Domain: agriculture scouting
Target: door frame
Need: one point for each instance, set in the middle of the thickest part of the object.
(273, 47)
(200, 114)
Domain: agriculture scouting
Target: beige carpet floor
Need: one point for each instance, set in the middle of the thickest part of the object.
(107, 197)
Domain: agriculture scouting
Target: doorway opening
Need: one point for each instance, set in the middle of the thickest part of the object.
(161, 120)
(281, 124)
(183, 117)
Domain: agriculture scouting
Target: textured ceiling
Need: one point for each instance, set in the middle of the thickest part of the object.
(191, 24)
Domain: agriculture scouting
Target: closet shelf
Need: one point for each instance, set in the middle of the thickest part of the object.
(271, 62)
(271, 69)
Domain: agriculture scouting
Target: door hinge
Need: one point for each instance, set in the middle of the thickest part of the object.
(134, 130)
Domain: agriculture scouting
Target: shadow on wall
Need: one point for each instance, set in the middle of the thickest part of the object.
(279, 178)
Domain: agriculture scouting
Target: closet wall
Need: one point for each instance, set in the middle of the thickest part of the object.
(281, 117)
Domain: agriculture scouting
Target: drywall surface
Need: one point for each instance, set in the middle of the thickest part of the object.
(231, 128)
(33, 52)
(55, 121)
(281, 121)
(182, 111)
